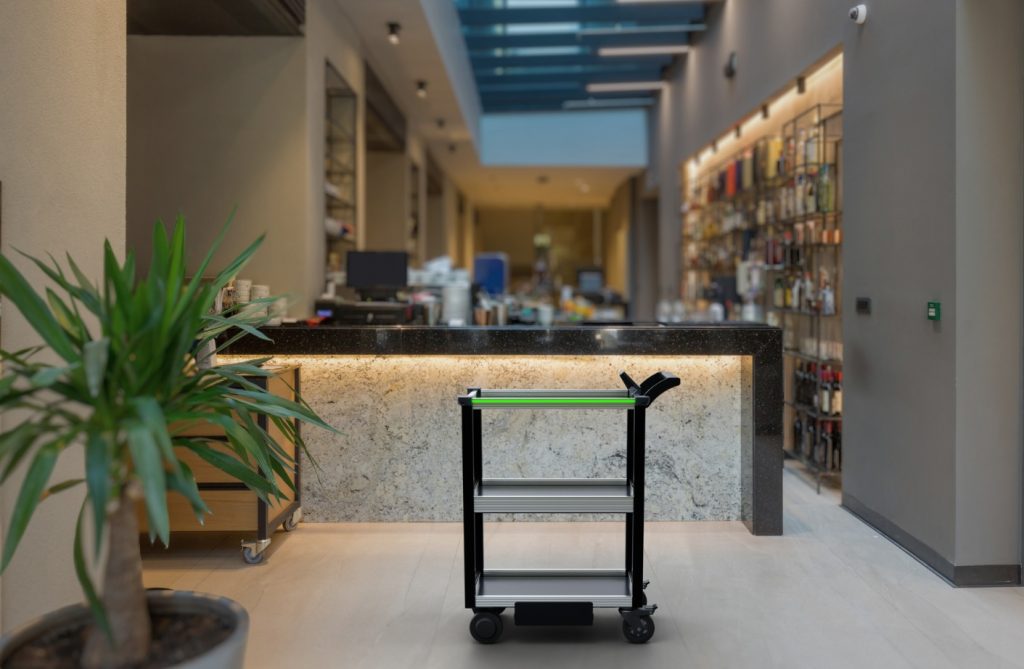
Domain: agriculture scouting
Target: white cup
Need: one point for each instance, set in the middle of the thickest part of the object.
(243, 290)
(546, 315)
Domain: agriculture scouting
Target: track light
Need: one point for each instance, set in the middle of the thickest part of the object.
(393, 29)
(421, 89)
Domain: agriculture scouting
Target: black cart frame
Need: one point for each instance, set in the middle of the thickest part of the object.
(544, 597)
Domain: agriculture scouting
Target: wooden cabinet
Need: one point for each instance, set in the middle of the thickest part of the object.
(233, 507)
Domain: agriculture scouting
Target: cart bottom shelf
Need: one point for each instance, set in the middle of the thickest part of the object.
(601, 587)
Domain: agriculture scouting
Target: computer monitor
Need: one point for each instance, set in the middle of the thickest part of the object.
(377, 273)
(590, 280)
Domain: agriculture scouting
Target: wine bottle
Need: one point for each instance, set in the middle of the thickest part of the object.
(825, 391)
(837, 394)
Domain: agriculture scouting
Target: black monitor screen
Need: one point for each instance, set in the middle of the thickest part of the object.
(377, 269)
(590, 280)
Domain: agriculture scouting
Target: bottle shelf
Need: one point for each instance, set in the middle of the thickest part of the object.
(832, 362)
(811, 412)
(553, 496)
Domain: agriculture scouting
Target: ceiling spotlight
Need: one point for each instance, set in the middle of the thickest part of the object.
(451, 148)
(393, 29)
(542, 179)
(440, 123)
(764, 111)
(739, 131)
(421, 89)
(801, 85)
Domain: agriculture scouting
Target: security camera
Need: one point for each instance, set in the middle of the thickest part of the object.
(859, 14)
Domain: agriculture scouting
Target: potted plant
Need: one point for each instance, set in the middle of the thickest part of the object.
(117, 377)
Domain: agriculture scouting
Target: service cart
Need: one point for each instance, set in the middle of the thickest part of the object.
(557, 597)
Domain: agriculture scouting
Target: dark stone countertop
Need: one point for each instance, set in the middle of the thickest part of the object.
(688, 339)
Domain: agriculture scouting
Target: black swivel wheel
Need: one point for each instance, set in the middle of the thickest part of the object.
(485, 627)
(639, 631)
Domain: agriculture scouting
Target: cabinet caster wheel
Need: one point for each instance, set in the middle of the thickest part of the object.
(485, 627)
(290, 524)
(251, 557)
(640, 632)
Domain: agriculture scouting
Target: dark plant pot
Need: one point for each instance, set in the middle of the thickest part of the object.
(228, 654)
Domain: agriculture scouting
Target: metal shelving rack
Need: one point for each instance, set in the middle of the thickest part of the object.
(557, 597)
(339, 170)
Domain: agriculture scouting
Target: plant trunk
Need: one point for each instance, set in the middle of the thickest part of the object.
(123, 596)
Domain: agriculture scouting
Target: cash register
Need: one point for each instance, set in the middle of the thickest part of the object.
(376, 277)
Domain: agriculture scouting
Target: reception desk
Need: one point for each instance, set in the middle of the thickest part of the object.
(714, 445)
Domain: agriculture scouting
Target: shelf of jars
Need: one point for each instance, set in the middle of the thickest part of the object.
(767, 219)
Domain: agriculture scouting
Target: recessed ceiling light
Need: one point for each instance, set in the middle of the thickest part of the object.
(625, 86)
(421, 89)
(393, 29)
(642, 50)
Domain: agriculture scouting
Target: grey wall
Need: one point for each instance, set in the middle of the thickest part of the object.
(899, 250)
(62, 164)
(387, 200)
(989, 296)
(216, 123)
(933, 117)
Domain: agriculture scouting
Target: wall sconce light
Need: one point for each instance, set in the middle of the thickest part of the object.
(393, 29)
(421, 89)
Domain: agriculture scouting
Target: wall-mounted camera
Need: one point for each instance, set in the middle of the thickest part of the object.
(859, 14)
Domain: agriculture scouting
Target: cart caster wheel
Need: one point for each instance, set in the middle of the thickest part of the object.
(485, 627)
(251, 557)
(290, 524)
(640, 632)
(495, 611)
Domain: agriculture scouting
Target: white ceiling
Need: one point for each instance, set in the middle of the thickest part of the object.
(417, 57)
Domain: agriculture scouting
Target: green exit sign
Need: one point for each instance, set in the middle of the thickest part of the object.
(935, 311)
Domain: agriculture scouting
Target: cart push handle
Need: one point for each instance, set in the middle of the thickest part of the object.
(653, 386)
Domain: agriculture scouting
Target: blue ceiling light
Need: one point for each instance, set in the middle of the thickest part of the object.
(542, 54)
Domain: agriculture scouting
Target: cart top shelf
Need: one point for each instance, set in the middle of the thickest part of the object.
(634, 395)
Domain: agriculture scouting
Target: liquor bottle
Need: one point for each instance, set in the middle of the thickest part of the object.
(828, 447)
(810, 196)
(801, 148)
(824, 190)
(825, 391)
(809, 385)
(837, 447)
(837, 394)
(779, 294)
(798, 432)
(798, 195)
(811, 147)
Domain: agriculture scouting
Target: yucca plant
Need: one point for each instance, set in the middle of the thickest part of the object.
(117, 377)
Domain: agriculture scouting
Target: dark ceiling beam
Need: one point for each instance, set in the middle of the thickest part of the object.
(490, 42)
(618, 13)
(215, 17)
(489, 62)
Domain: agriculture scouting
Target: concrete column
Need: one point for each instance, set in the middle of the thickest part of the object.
(62, 166)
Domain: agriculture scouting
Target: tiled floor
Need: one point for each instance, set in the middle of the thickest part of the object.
(830, 593)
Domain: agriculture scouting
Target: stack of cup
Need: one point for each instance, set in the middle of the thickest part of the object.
(243, 290)
(260, 292)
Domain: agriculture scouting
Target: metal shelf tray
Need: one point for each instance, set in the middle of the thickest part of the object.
(603, 588)
(553, 496)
